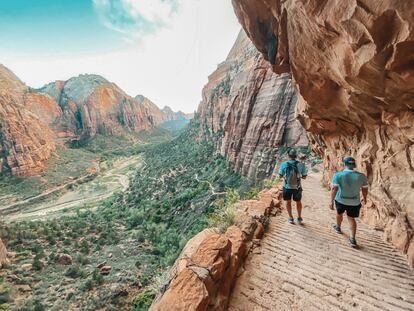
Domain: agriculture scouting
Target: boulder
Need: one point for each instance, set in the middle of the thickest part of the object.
(26, 267)
(3, 255)
(105, 270)
(195, 297)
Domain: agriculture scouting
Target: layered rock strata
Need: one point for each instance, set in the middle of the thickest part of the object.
(92, 105)
(251, 109)
(26, 143)
(204, 274)
(353, 63)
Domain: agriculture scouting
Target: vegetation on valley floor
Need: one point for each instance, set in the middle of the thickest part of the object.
(139, 233)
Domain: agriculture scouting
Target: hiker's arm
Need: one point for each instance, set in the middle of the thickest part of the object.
(364, 189)
(364, 194)
(304, 172)
(334, 190)
(281, 170)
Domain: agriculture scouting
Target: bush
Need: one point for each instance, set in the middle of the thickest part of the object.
(253, 194)
(74, 272)
(4, 293)
(143, 301)
(224, 214)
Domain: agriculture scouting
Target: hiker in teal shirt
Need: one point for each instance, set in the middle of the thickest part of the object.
(292, 171)
(346, 188)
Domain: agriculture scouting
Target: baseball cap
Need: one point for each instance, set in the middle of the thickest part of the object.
(349, 161)
(292, 153)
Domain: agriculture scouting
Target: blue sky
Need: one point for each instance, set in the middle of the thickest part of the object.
(163, 49)
(52, 26)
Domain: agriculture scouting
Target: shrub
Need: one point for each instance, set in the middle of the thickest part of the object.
(37, 264)
(4, 293)
(253, 194)
(142, 301)
(74, 272)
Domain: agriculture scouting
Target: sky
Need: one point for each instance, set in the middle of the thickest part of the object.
(162, 49)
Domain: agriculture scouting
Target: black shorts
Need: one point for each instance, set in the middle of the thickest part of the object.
(295, 194)
(351, 211)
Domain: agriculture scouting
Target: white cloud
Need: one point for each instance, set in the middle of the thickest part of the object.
(170, 66)
(136, 18)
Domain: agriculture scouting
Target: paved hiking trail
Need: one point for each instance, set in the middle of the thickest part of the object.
(310, 267)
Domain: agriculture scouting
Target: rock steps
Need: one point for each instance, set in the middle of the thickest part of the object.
(310, 267)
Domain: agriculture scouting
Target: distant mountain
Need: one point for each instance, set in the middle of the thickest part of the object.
(91, 105)
(32, 120)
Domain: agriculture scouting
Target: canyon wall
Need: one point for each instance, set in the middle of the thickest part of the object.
(353, 64)
(26, 143)
(33, 121)
(252, 111)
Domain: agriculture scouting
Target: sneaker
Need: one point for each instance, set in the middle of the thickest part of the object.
(300, 220)
(290, 220)
(352, 242)
(337, 229)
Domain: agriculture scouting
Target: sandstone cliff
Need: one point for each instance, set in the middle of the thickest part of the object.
(32, 120)
(353, 65)
(26, 143)
(91, 105)
(252, 109)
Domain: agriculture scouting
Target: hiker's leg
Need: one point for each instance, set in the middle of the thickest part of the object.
(299, 208)
(352, 226)
(297, 197)
(339, 219)
(289, 208)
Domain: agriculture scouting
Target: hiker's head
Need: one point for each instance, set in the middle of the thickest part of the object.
(292, 154)
(349, 162)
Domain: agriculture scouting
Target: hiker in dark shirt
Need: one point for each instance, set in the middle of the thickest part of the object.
(292, 171)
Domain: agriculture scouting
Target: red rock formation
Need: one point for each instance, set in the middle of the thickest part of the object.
(26, 143)
(91, 105)
(3, 254)
(252, 109)
(43, 107)
(353, 62)
(206, 270)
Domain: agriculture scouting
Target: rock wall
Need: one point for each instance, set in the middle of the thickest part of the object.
(353, 64)
(204, 274)
(26, 143)
(251, 109)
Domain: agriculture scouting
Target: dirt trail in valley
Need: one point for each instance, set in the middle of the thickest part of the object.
(310, 267)
(103, 186)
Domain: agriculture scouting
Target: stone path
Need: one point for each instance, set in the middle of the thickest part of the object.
(311, 267)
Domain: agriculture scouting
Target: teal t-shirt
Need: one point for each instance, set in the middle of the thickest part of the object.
(301, 168)
(349, 184)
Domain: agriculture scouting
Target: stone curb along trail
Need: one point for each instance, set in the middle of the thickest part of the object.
(207, 268)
